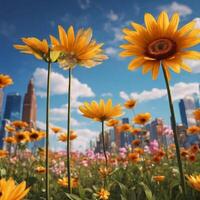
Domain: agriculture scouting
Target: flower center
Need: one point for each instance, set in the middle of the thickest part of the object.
(161, 49)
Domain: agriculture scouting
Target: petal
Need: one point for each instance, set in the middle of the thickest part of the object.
(63, 36)
(155, 70)
(186, 28)
(71, 37)
(163, 21)
(173, 24)
(150, 22)
(135, 63)
(186, 67)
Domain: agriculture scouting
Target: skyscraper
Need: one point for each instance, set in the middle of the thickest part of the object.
(186, 106)
(156, 126)
(30, 105)
(183, 113)
(13, 107)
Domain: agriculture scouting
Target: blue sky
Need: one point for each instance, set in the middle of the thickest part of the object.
(111, 79)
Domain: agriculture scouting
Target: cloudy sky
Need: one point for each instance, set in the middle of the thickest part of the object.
(111, 79)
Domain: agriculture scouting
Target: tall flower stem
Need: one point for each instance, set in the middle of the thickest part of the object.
(173, 121)
(47, 126)
(103, 140)
(68, 132)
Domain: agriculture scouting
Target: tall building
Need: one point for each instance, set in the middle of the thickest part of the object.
(30, 105)
(186, 106)
(13, 107)
(156, 126)
(183, 113)
(1, 103)
(3, 133)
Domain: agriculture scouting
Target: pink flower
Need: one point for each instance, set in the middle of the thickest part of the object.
(153, 146)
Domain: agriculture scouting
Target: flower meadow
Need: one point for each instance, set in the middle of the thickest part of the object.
(143, 170)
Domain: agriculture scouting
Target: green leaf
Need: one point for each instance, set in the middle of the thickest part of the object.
(147, 191)
(73, 196)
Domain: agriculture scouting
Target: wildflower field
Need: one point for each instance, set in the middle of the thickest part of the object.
(143, 170)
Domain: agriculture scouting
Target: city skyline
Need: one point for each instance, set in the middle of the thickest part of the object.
(109, 80)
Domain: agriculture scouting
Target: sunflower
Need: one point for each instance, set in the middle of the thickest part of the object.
(64, 182)
(35, 135)
(40, 170)
(10, 140)
(63, 136)
(19, 124)
(9, 128)
(194, 181)
(158, 178)
(22, 137)
(130, 104)
(34, 46)
(142, 118)
(56, 129)
(5, 80)
(160, 41)
(79, 49)
(10, 191)
(194, 148)
(3, 153)
(103, 194)
(112, 122)
(104, 171)
(125, 128)
(196, 114)
(134, 157)
(136, 142)
(193, 130)
(102, 111)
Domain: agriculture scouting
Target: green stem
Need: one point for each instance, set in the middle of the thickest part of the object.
(47, 126)
(103, 140)
(68, 132)
(173, 121)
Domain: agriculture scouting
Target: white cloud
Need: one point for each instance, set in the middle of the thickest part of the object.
(111, 51)
(59, 85)
(83, 139)
(107, 94)
(197, 20)
(182, 9)
(84, 4)
(179, 90)
(194, 64)
(112, 16)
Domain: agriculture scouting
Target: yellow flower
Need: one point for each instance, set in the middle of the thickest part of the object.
(10, 140)
(5, 80)
(40, 170)
(103, 194)
(194, 181)
(159, 178)
(160, 42)
(142, 118)
(102, 111)
(19, 124)
(63, 136)
(112, 122)
(10, 191)
(64, 182)
(34, 46)
(135, 131)
(134, 157)
(125, 128)
(3, 153)
(56, 129)
(9, 128)
(35, 135)
(104, 171)
(79, 49)
(197, 114)
(193, 130)
(136, 142)
(130, 104)
(22, 136)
